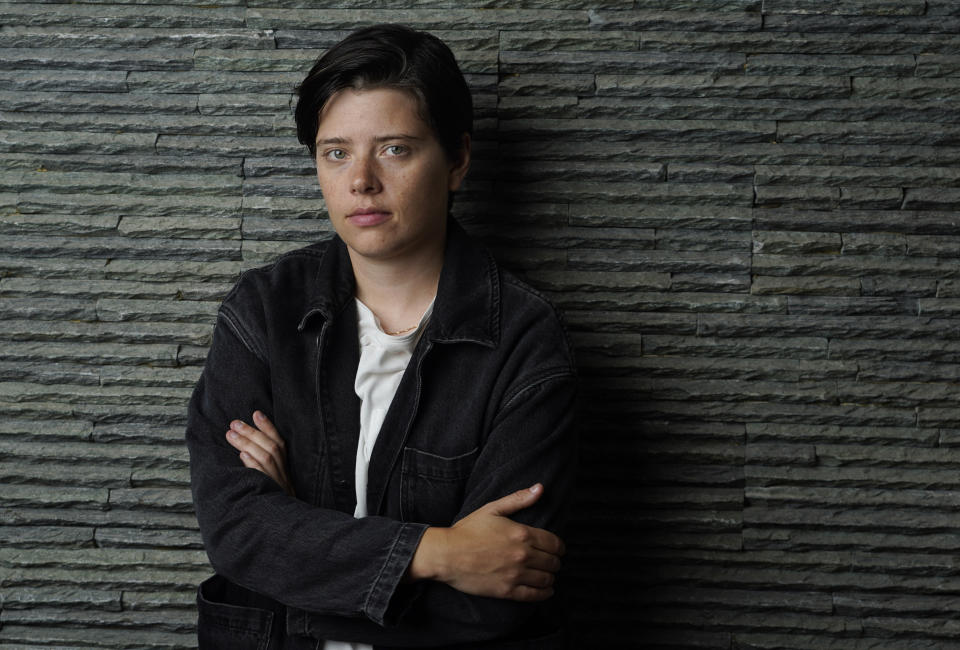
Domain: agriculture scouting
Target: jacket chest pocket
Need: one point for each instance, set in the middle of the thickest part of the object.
(432, 487)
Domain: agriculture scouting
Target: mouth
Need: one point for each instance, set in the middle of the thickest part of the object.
(368, 216)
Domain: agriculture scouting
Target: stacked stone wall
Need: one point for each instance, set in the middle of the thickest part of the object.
(748, 210)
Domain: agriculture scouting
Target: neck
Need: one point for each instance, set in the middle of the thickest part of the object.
(397, 291)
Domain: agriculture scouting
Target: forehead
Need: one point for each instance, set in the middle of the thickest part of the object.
(371, 110)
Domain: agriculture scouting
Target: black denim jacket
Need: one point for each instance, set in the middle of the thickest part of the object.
(484, 408)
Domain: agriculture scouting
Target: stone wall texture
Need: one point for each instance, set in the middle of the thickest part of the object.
(748, 210)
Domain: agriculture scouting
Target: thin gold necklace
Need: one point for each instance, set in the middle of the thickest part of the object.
(399, 332)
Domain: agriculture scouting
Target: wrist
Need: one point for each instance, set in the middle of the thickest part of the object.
(429, 560)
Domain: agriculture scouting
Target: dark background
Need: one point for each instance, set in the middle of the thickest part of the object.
(747, 210)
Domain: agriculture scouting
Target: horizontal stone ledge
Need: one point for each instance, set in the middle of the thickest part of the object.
(663, 302)
(57, 142)
(863, 24)
(917, 371)
(71, 81)
(82, 125)
(116, 397)
(45, 537)
(122, 16)
(656, 260)
(91, 352)
(35, 308)
(58, 224)
(237, 104)
(605, 62)
(134, 38)
(428, 19)
(896, 605)
(799, 496)
(858, 176)
(568, 40)
(738, 86)
(185, 311)
(135, 538)
(183, 272)
(141, 520)
(657, 20)
(227, 145)
(799, 42)
(754, 411)
(100, 102)
(602, 362)
(868, 133)
(63, 332)
(213, 82)
(890, 478)
(807, 285)
(46, 202)
(915, 89)
(827, 65)
(786, 242)
(899, 328)
(863, 518)
(852, 266)
(147, 433)
(710, 282)
(634, 130)
(704, 218)
(83, 452)
(72, 599)
(182, 296)
(152, 498)
(120, 248)
(36, 496)
(924, 394)
(798, 433)
(673, 107)
(893, 349)
(938, 65)
(103, 185)
(460, 41)
(758, 347)
(161, 477)
(939, 198)
(89, 474)
(806, 540)
(181, 227)
(847, 8)
(858, 221)
(56, 635)
(48, 373)
(171, 621)
(55, 58)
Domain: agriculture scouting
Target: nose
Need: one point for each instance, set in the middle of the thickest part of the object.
(365, 179)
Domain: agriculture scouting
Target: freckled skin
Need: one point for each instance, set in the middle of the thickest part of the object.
(375, 154)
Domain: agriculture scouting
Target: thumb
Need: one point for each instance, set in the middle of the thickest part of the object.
(517, 501)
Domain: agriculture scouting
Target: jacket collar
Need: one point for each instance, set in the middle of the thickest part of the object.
(467, 307)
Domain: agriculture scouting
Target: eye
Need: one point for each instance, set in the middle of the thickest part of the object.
(396, 149)
(336, 154)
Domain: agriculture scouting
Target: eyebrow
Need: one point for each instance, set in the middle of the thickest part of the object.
(379, 138)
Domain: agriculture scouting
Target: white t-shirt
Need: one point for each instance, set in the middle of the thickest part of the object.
(383, 360)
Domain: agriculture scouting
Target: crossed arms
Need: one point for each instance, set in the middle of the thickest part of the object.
(483, 554)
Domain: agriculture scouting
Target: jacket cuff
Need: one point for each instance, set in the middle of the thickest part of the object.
(387, 602)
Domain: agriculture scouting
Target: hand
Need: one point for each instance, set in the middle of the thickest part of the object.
(261, 448)
(488, 554)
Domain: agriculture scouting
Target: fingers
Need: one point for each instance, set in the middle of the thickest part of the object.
(261, 448)
(517, 501)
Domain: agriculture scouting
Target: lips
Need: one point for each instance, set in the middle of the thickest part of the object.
(365, 217)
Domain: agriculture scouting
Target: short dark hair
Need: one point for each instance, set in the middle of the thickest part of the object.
(390, 56)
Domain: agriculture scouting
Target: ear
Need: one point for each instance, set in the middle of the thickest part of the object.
(459, 167)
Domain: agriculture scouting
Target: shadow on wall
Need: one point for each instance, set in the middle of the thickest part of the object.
(613, 519)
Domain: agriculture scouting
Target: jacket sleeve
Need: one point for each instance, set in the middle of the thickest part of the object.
(535, 433)
(258, 537)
